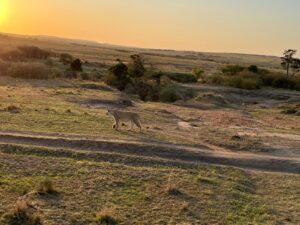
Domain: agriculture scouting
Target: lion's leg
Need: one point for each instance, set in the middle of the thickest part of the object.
(131, 127)
(138, 124)
(117, 124)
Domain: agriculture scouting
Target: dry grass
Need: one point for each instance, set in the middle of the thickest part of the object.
(104, 217)
(46, 187)
(22, 214)
(143, 190)
(137, 193)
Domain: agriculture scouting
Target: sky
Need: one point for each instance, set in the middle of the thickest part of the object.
(244, 26)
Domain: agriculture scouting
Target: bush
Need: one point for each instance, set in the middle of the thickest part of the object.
(118, 76)
(23, 214)
(12, 109)
(268, 79)
(169, 94)
(297, 83)
(198, 73)
(282, 82)
(236, 81)
(183, 77)
(76, 65)
(13, 55)
(232, 70)
(66, 58)
(113, 81)
(30, 71)
(136, 68)
(34, 52)
(105, 218)
(85, 76)
(46, 187)
(243, 83)
(253, 69)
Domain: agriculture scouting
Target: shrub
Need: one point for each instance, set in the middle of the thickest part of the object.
(297, 83)
(253, 69)
(198, 73)
(76, 65)
(147, 89)
(283, 82)
(169, 94)
(171, 188)
(268, 79)
(23, 214)
(13, 55)
(104, 217)
(34, 52)
(66, 58)
(46, 187)
(13, 109)
(243, 83)
(232, 70)
(85, 76)
(30, 71)
(136, 67)
(117, 76)
(237, 82)
(183, 77)
(217, 79)
(49, 62)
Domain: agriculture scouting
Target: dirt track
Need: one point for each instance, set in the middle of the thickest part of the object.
(160, 151)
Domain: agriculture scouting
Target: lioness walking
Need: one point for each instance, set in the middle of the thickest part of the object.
(119, 116)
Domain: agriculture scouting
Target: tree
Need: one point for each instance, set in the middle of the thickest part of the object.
(76, 65)
(289, 62)
(137, 68)
(118, 76)
(120, 70)
(253, 68)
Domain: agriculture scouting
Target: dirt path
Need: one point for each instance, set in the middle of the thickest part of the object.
(179, 153)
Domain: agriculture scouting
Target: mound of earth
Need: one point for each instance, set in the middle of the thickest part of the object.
(211, 98)
(112, 104)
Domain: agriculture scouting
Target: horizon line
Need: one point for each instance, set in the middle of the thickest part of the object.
(135, 47)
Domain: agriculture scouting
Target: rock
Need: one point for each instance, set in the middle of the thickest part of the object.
(289, 111)
(236, 137)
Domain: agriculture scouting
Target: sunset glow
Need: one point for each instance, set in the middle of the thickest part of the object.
(3, 10)
(248, 26)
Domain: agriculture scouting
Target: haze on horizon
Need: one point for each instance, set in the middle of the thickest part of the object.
(244, 26)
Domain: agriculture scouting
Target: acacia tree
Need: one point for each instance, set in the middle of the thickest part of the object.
(289, 62)
(118, 75)
(137, 66)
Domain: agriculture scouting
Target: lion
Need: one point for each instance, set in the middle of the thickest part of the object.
(120, 116)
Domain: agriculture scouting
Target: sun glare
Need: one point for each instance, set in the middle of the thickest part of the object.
(3, 10)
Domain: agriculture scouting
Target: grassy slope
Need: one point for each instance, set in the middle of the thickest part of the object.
(137, 195)
(44, 109)
(167, 60)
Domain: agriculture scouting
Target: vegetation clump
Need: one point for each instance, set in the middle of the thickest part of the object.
(26, 52)
(66, 58)
(46, 187)
(183, 77)
(12, 109)
(105, 217)
(76, 65)
(23, 214)
(252, 78)
(148, 84)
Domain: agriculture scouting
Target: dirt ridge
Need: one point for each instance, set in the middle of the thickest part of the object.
(172, 152)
